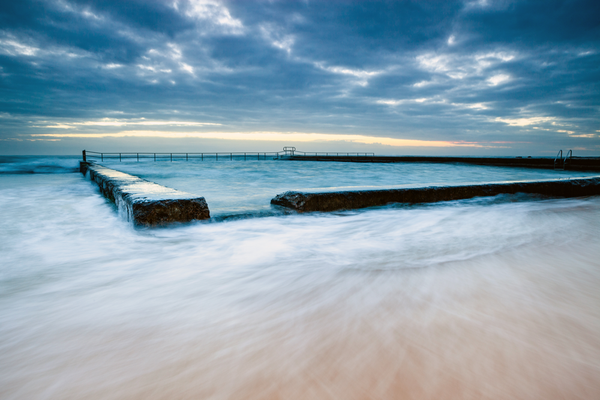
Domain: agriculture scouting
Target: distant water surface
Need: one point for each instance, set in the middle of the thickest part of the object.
(491, 298)
(242, 187)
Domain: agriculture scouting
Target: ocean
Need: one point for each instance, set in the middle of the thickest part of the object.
(486, 298)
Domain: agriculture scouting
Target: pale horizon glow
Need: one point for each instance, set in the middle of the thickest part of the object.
(269, 136)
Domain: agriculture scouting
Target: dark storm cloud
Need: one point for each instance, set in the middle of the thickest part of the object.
(479, 71)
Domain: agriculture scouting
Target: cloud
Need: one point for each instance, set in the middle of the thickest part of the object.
(498, 79)
(455, 72)
(390, 102)
(525, 121)
(461, 66)
(12, 48)
(122, 122)
(213, 13)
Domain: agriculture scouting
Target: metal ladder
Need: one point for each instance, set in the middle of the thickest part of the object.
(560, 163)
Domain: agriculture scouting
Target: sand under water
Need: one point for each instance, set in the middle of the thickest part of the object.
(490, 298)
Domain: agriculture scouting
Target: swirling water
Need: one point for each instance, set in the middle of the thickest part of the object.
(484, 298)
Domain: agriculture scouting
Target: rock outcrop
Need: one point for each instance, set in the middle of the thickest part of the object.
(143, 202)
(347, 200)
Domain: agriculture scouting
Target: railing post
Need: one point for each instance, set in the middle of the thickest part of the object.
(244, 156)
(138, 156)
(83, 153)
(216, 156)
(186, 156)
(201, 156)
(102, 156)
(171, 157)
(154, 156)
(119, 157)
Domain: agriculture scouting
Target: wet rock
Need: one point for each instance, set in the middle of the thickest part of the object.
(143, 202)
(348, 200)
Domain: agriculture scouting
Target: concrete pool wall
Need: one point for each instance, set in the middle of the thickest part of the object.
(143, 202)
(348, 200)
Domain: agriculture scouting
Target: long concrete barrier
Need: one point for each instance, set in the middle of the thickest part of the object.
(348, 200)
(573, 164)
(143, 202)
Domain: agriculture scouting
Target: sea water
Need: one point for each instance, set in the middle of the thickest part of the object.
(491, 298)
(245, 188)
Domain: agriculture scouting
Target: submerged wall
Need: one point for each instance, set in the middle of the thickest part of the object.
(143, 202)
(347, 200)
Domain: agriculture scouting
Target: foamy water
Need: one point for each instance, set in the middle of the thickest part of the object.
(485, 298)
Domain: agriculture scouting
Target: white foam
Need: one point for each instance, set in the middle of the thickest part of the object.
(484, 298)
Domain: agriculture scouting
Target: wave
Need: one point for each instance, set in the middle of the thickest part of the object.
(39, 165)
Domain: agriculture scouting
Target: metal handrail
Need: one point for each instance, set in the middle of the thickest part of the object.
(178, 156)
(567, 159)
(262, 155)
(331, 154)
(558, 160)
(561, 163)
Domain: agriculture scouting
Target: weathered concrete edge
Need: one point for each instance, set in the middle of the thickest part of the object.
(145, 210)
(348, 200)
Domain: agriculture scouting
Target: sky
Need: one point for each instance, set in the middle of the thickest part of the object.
(392, 77)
